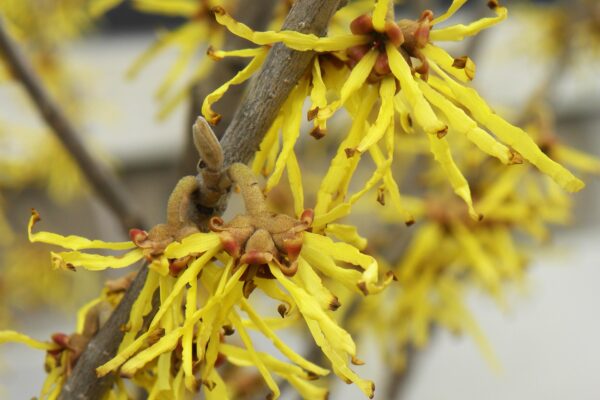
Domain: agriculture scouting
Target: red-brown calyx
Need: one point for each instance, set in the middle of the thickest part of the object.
(263, 238)
(408, 36)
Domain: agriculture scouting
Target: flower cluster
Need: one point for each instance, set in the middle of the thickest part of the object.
(204, 280)
(394, 69)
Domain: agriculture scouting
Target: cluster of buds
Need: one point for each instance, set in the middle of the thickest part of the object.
(263, 238)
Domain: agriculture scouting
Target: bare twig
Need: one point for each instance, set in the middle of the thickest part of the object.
(108, 188)
(273, 84)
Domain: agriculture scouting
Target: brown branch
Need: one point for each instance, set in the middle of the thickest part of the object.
(108, 188)
(271, 87)
(83, 384)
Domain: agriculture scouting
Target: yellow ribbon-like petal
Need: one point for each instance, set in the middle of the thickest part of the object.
(460, 31)
(422, 112)
(240, 77)
(16, 337)
(292, 39)
(71, 242)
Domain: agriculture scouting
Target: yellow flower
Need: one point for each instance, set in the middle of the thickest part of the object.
(450, 254)
(413, 79)
(213, 274)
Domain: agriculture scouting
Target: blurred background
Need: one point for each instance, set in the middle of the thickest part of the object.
(545, 339)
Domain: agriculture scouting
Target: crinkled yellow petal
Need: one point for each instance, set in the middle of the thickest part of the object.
(309, 280)
(460, 31)
(160, 265)
(16, 337)
(404, 114)
(332, 188)
(123, 355)
(379, 14)
(212, 353)
(348, 234)
(71, 242)
(141, 307)
(339, 361)
(454, 7)
(188, 335)
(271, 289)
(460, 122)
(310, 309)
(243, 358)
(290, 131)
(338, 250)
(387, 91)
(278, 343)
(306, 389)
(509, 134)
(189, 275)
(68, 260)
(343, 209)
(292, 39)
(391, 186)
(195, 243)
(256, 359)
(240, 77)
(165, 344)
(444, 60)
(312, 251)
(333, 340)
(421, 110)
(336, 213)
(355, 81)
(318, 92)
(441, 153)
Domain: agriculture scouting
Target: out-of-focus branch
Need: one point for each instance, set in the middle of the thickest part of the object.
(273, 84)
(106, 185)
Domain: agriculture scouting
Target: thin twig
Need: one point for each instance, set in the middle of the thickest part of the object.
(282, 69)
(108, 188)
